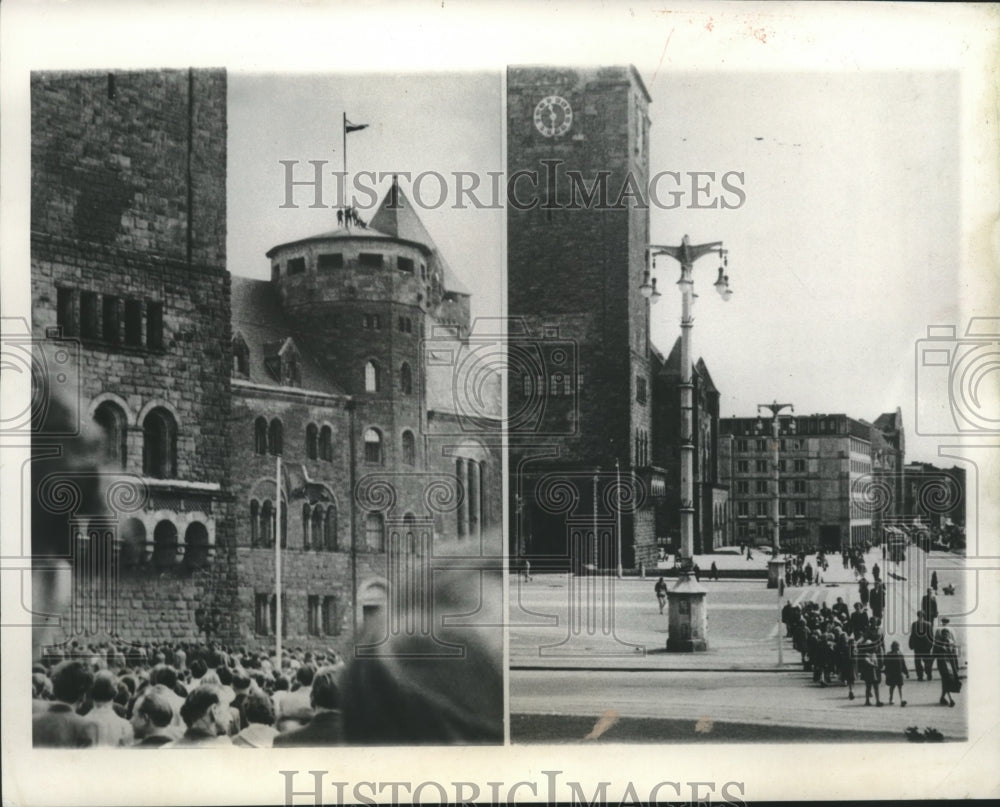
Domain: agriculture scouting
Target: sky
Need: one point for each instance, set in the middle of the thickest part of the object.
(417, 123)
(843, 253)
(846, 248)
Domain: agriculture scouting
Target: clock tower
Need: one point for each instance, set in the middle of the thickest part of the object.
(579, 386)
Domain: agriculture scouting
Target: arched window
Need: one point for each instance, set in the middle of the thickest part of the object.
(305, 525)
(267, 524)
(405, 379)
(312, 441)
(195, 545)
(165, 544)
(254, 522)
(373, 446)
(159, 433)
(372, 380)
(326, 444)
(409, 448)
(111, 420)
(317, 527)
(275, 437)
(330, 529)
(260, 435)
(375, 532)
(133, 542)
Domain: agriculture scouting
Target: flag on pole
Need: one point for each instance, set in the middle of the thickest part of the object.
(353, 127)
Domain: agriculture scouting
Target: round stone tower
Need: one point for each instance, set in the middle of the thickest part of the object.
(368, 294)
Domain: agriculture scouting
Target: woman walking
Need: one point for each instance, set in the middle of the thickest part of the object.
(946, 653)
(895, 669)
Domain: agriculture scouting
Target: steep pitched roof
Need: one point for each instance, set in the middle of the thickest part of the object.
(672, 363)
(258, 318)
(397, 217)
(888, 421)
(701, 369)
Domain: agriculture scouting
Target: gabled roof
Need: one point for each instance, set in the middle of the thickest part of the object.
(671, 366)
(888, 421)
(672, 363)
(701, 369)
(258, 318)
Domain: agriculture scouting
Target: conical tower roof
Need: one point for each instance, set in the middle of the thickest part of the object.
(397, 217)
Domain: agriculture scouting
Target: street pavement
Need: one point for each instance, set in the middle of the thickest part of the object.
(606, 655)
(615, 623)
(702, 699)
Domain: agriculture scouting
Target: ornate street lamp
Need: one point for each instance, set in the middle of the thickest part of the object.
(776, 565)
(688, 625)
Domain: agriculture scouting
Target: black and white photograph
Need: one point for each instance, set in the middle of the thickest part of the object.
(712, 488)
(269, 488)
(426, 402)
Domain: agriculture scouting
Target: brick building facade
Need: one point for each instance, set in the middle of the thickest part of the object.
(200, 381)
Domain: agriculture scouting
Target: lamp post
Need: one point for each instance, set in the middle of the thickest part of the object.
(687, 628)
(776, 565)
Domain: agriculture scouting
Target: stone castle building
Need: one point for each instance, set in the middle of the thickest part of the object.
(342, 366)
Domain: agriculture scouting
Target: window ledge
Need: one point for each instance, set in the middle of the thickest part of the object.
(181, 484)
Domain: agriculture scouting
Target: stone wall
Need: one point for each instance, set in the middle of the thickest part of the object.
(128, 260)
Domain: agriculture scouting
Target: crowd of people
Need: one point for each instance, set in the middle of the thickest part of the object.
(184, 694)
(849, 644)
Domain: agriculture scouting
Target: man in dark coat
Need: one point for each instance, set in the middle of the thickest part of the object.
(877, 600)
(817, 655)
(60, 726)
(922, 645)
(859, 620)
(326, 727)
(800, 640)
(786, 617)
(928, 604)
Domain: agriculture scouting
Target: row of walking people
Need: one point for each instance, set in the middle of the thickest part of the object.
(851, 647)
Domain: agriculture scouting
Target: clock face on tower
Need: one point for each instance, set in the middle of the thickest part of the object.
(553, 116)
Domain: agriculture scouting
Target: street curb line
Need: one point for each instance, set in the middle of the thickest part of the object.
(550, 668)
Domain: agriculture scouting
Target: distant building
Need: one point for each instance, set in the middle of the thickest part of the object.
(888, 454)
(935, 497)
(824, 466)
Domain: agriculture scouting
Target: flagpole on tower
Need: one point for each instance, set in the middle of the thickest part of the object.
(348, 127)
